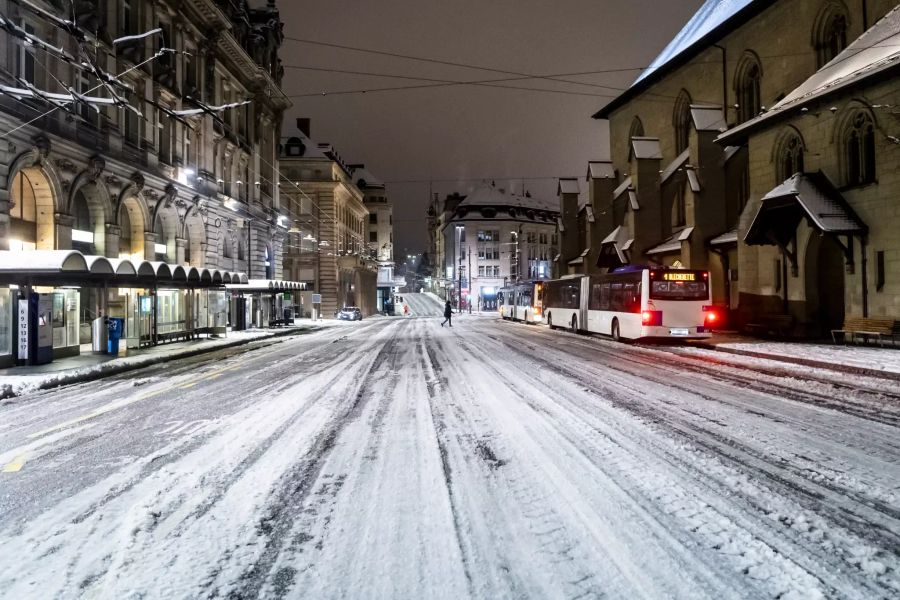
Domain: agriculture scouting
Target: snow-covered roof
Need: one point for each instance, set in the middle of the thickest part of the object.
(489, 195)
(729, 237)
(364, 178)
(673, 166)
(646, 147)
(819, 201)
(625, 185)
(568, 186)
(708, 118)
(707, 25)
(693, 179)
(672, 243)
(711, 15)
(307, 148)
(875, 51)
(601, 169)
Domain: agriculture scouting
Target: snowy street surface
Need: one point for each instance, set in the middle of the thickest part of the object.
(393, 458)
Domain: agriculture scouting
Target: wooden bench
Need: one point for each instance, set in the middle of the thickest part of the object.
(867, 328)
(778, 325)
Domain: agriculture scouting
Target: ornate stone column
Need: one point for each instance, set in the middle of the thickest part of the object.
(63, 231)
(113, 233)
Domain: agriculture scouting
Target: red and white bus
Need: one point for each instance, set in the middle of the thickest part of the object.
(633, 303)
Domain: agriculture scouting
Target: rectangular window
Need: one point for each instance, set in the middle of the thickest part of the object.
(481, 271)
(165, 138)
(879, 270)
(373, 237)
(373, 218)
(25, 63)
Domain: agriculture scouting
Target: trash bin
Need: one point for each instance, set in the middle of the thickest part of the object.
(116, 330)
(99, 335)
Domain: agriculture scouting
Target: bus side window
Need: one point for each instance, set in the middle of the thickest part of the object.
(616, 298)
(604, 296)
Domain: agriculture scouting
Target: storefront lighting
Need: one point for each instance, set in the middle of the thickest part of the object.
(190, 172)
(79, 235)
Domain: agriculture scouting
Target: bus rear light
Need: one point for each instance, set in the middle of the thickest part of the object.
(536, 310)
(711, 316)
(651, 318)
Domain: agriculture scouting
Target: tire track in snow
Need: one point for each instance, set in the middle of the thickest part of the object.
(297, 484)
(727, 449)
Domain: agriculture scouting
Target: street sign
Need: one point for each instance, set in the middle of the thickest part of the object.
(317, 298)
(23, 329)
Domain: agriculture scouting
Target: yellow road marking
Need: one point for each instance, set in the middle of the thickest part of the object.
(16, 464)
(121, 404)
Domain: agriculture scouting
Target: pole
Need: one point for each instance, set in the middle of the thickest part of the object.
(469, 276)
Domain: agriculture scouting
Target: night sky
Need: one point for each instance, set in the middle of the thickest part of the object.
(455, 136)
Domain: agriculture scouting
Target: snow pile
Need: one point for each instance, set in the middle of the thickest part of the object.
(18, 385)
(871, 358)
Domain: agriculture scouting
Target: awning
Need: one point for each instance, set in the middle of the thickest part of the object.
(613, 248)
(267, 285)
(672, 244)
(808, 196)
(579, 260)
(70, 267)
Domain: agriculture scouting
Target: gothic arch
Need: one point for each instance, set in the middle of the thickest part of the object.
(788, 153)
(681, 121)
(856, 136)
(195, 236)
(747, 86)
(636, 129)
(829, 32)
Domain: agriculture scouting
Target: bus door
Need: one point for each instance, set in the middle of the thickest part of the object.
(585, 301)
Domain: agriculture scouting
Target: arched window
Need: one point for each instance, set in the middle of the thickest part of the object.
(859, 149)
(23, 214)
(161, 247)
(788, 156)
(637, 129)
(746, 87)
(82, 228)
(241, 252)
(125, 235)
(681, 121)
(830, 32)
(679, 207)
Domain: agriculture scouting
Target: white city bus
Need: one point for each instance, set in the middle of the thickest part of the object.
(522, 302)
(634, 302)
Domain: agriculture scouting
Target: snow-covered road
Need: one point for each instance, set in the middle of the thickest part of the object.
(395, 459)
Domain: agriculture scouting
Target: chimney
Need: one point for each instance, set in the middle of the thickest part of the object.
(303, 126)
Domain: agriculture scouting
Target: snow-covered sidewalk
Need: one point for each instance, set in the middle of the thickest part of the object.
(866, 360)
(18, 381)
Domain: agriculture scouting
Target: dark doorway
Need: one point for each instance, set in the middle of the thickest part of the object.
(825, 279)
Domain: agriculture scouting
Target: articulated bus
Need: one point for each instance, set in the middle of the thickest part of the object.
(632, 303)
(522, 301)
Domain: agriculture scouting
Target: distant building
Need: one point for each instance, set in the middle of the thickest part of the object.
(685, 194)
(491, 238)
(379, 231)
(327, 244)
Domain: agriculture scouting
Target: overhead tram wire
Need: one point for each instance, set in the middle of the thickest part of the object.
(517, 76)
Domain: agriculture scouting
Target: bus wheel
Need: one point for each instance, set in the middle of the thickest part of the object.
(615, 331)
(574, 324)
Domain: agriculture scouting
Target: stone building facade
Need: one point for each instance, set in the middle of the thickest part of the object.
(326, 246)
(820, 238)
(149, 167)
(380, 231)
(680, 194)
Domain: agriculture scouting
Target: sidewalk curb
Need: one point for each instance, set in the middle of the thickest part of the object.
(6, 390)
(806, 362)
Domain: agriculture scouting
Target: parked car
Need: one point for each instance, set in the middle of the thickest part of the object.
(349, 313)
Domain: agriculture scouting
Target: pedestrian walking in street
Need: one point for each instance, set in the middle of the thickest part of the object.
(448, 314)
